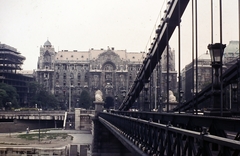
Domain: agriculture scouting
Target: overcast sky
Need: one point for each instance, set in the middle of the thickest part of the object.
(123, 24)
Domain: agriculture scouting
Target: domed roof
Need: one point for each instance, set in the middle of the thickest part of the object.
(205, 56)
(47, 43)
(232, 47)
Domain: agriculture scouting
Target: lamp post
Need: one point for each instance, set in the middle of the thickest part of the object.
(180, 98)
(116, 98)
(216, 52)
(160, 104)
(78, 102)
(38, 124)
(146, 102)
(234, 87)
(123, 95)
(70, 96)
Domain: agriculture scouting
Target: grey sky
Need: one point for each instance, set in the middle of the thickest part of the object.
(84, 24)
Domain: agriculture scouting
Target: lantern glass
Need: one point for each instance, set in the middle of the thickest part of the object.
(234, 85)
(123, 93)
(216, 55)
(146, 85)
(160, 98)
(216, 52)
(181, 93)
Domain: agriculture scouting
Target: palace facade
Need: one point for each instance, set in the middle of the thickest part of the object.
(67, 73)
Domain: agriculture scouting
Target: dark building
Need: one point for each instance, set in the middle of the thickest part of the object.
(11, 62)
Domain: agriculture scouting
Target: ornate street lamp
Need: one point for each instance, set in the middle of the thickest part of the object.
(38, 122)
(180, 98)
(216, 52)
(116, 99)
(146, 102)
(181, 95)
(234, 97)
(160, 107)
(124, 93)
(234, 86)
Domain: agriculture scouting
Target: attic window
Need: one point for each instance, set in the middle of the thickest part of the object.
(82, 56)
(61, 56)
(133, 57)
(72, 56)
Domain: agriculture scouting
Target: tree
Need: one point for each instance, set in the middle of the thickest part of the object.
(3, 95)
(46, 100)
(85, 100)
(34, 87)
(62, 101)
(41, 97)
(9, 96)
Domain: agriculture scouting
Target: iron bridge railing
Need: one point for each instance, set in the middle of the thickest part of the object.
(154, 138)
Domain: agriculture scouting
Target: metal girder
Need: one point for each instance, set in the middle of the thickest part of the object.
(166, 28)
(231, 74)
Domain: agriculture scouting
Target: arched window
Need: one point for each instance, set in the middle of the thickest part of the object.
(108, 67)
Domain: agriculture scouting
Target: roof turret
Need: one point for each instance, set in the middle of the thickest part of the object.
(47, 44)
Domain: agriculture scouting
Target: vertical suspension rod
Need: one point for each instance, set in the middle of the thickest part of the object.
(179, 55)
(196, 46)
(221, 70)
(192, 52)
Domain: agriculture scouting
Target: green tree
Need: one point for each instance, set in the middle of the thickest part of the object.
(62, 101)
(9, 98)
(3, 95)
(46, 100)
(85, 100)
(34, 87)
(41, 97)
(34, 90)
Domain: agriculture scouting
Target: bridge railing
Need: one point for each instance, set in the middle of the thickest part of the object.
(32, 115)
(187, 120)
(167, 139)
